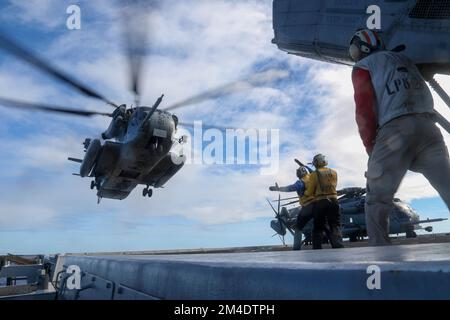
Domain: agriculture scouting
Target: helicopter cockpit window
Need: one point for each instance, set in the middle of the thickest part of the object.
(142, 115)
(138, 117)
(426, 9)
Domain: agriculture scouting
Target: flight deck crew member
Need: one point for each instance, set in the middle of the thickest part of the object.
(305, 214)
(395, 117)
(322, 186)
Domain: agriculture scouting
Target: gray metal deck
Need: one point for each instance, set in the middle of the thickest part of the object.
(407, 272)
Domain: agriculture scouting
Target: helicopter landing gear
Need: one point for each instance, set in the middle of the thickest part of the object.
(183, 139)
(411, 234)
(86, 144)
(94, 184)
(147, 192)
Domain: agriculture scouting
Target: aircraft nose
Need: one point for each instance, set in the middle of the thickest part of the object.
(160, 133)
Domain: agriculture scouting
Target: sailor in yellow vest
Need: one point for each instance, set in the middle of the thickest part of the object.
(322, 187)
(306, 212)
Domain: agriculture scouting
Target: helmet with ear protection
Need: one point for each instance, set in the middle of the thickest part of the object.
(365, 42)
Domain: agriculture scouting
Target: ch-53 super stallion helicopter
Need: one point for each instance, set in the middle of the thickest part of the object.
(402, 219)
(322, 30)
(139, 140)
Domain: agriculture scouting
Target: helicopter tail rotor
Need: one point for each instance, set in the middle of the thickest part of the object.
(5, 102)
(258, 79)
(136, 38)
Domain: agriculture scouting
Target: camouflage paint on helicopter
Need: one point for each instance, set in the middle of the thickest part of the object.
(139, 154)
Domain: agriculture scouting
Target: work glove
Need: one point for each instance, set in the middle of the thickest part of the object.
(275, 187)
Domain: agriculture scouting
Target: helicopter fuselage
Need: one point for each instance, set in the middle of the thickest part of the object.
(402, 219)
(322, 30)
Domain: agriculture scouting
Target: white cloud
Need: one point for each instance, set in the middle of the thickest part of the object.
(40, 13)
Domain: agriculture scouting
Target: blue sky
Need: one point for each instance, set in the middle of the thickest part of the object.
(195, 45)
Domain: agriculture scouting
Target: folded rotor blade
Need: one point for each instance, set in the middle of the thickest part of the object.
(48, 108)
(285, 199)
(430, 220)
(279, 203)
(299, 163)
(191, 125)
(275, 211)
(258, 79)
(290, 230)
(18, 51)
(277, 215)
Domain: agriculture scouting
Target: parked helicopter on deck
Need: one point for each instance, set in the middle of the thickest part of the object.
(402, 219)
(322, 30)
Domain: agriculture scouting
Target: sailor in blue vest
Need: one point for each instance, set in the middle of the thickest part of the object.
(396, 120)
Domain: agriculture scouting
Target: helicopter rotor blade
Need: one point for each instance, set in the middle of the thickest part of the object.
(277, 215)
(352, 191)
(258, 79)
(291, 202)
(25, 55)
(282, 240)
(136, 37)
(152, 111)
(290, 230)
(279, 203)
(270, 204)
(48, 108)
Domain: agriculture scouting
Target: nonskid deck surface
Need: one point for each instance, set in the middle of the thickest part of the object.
(405, 271)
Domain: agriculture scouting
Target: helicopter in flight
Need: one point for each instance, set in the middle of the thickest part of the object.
(402, 219)
(138, 144)
(321, 30)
